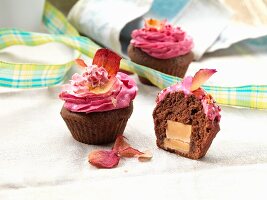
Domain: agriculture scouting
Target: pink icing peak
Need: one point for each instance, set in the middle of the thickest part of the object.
(162, 41)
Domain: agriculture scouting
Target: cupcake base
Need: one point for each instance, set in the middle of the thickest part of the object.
(174, 66)
(97, 127)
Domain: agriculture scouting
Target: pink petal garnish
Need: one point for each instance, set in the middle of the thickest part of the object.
(80, 62)
(130, 152)
(107, 59)
(103, 158)
(187, 82)
(201, 77)
(120, 144)
(146, 156)
(111, 158)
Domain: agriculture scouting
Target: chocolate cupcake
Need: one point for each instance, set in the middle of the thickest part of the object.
(98, 103)
(186, 118)
(161, 47)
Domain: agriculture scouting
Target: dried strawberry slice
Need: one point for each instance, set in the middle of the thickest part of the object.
(146, 156)
(80, 62)
(107, 59)
(120, 144)
(130, 152)
(201, 77)
(154, 23)
(111, 158)
(105, 88)
(103, 158)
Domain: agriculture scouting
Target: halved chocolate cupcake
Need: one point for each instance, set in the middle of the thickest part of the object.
(186, 118)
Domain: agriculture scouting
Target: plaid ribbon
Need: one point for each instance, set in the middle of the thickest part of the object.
(38, 75)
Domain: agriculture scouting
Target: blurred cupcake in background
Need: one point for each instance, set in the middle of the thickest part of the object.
(162, 47)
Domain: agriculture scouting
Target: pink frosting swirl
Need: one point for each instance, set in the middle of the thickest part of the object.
(211, 110)
(164, 43)
(94, 92)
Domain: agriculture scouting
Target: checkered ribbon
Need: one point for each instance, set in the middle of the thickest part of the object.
(39, 75)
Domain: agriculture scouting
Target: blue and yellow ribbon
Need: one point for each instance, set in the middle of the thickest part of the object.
(18, 75)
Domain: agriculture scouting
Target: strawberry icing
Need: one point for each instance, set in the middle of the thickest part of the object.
(164, 43)
(94, 91)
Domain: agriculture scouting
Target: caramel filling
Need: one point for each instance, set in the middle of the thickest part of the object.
(176, 145)
(178, 136)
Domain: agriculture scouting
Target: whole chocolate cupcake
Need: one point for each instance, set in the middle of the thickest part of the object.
(98, 103)
(186, 118)
(161, 47)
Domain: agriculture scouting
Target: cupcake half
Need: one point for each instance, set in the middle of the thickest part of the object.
(186, 117)
(162, 47)
(98, 102)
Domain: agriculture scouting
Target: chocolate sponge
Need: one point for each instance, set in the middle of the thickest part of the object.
(186, 113)
(176, 66)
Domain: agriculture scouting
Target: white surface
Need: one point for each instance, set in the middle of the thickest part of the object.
(228, 183)
(39, 157)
